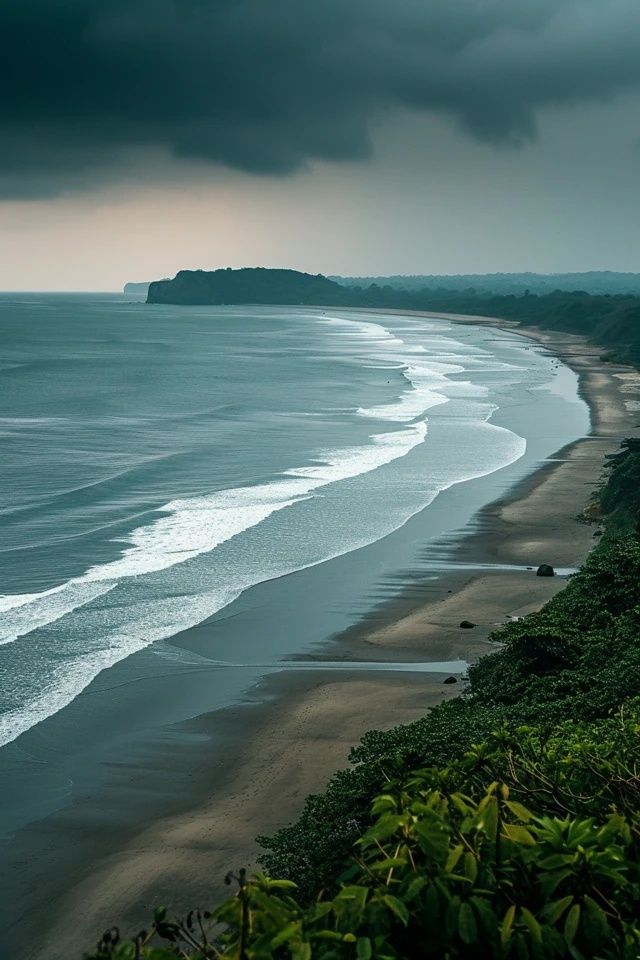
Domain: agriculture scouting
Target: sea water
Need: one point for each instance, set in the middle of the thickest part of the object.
(156, 462)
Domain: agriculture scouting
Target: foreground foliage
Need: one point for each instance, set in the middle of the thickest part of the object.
(576, 659)
(504, 824)
(528, 846)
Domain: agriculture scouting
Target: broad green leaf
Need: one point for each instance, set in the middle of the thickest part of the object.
(417, 884)
(572, 923)
(470, 867)
(291, 930)
(384, 804)
(519, 810)
(453, 858)
(595, 911)
(433, 836)
(385, 827)
(461, 803)
(507, 923)
(364, 950)
(518, 834)
(532, 924)
(326, 935)
(282, 885)
(467, 926)
(396, 906)
(487, 819)
(301, 951)
(354, 893)
(388, 863)
(322, 908)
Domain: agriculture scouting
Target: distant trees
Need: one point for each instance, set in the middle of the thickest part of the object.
(526, 847)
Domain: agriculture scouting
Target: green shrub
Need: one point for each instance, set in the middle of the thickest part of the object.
(620, 497)
(577, 658)
(543, 861)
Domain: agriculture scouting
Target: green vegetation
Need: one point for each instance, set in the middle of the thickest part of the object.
(457, 864)
(592, 281)
(620, 498)
(504, 824)
(249, 285)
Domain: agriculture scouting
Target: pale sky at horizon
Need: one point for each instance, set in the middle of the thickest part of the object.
(519, 152)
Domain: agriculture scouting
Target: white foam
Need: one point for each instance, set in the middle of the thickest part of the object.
(428, 379)
(69, 680)
(198, 525)
(13, 600)
(187, 528)
(24, 613)
(152, 620)
(352, 462)
(414, 402)
(192, 527)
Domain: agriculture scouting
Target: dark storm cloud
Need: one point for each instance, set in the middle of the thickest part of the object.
(265, 85)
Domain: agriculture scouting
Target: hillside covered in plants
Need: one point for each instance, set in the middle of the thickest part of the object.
(503, 824)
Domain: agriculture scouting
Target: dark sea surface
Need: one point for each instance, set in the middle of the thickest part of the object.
(160, 466)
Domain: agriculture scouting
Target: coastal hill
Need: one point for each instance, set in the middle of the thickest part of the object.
(247, 285)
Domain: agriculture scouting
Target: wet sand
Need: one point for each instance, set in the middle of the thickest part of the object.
(299, 725)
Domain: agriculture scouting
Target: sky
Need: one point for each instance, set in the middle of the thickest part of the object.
(361, 137)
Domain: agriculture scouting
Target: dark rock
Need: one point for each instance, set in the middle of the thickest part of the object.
(467, 625)
(598, 533)
(545, 570)
(450, 680)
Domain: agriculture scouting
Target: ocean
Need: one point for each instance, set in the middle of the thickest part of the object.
(159, 462)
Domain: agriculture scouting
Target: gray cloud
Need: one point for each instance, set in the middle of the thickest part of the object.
(267, 85)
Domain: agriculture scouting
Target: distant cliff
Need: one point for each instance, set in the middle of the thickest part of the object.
(247, 285)
(140, 289)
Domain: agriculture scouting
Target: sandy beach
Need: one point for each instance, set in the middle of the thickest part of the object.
(301, 725)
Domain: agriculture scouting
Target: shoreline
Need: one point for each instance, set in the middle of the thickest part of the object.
(298, 725)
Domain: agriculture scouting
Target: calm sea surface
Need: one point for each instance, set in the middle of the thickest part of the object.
(155, 462)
